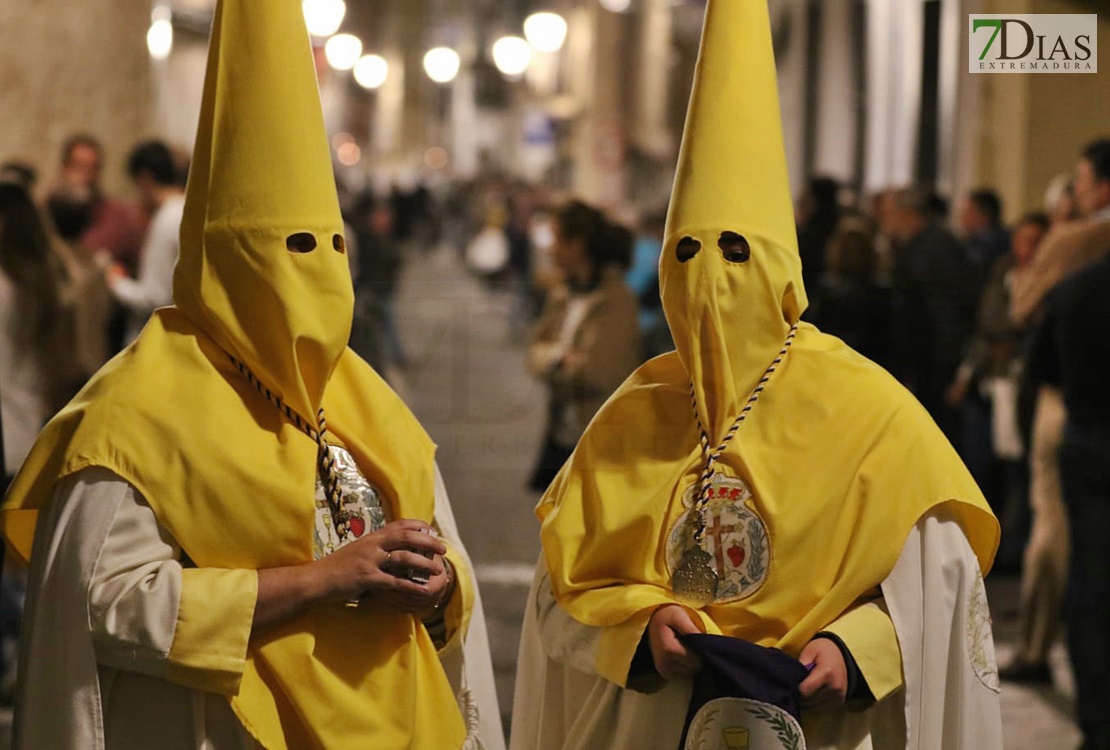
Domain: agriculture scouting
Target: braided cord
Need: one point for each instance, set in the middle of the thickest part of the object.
(710, 457)
(325, 461)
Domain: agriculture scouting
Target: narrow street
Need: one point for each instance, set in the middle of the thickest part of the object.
(467, 383)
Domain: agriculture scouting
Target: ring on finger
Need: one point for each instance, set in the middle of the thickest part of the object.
(388, 556)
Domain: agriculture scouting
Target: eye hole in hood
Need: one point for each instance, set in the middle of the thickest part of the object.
(686, 249)
(734, 247)
(301, 242)
(338, 243)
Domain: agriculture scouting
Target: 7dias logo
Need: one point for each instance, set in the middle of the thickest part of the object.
(1033, 43)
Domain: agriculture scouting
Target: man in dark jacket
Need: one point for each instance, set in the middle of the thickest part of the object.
(981, 223)
(935, 296)
(1071, 352)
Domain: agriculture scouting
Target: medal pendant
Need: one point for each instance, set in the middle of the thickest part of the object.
(695, 580)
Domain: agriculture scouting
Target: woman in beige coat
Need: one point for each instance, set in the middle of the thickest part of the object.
(587, 340)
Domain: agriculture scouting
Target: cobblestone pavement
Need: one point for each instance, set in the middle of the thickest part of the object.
(466, 381)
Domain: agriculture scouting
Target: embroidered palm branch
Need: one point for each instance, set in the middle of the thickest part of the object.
(758, 540)
(786, 731)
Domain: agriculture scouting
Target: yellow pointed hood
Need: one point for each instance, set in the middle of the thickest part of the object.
(730, 318)
(835, 464)
(261, 173)
(229, 476)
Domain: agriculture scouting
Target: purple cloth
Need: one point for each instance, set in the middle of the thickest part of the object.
(733, 668)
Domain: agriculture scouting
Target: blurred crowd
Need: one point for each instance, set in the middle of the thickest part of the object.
(80, 273)
(985, 322)
(954, 302)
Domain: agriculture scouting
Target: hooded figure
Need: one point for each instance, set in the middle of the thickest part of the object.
(215, 523)
(764, 482)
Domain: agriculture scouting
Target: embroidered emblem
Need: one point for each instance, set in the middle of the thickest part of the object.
(980, 641)
(742, 724)
(735, 538)
(359, 499)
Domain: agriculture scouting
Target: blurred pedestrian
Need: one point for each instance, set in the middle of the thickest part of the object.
(374, 333)
(546, 274)
(35, 359)
(237, 532)
(414, 218)
(587, 340)
(1072, 354)
(84, 290)
(847, 301)
(937, 207)
(935, 297)
(115, 227)
(488, 252)
(985, 390)
(981, 224)
(1067, 248)
(1059, 199)
(878, 210)
(643, 279)
(35, 365)
(818, 214)
(19, 173)
(525, 202)
(151, 166)
(1071, 245)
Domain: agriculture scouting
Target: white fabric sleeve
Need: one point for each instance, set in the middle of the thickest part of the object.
(154, 286)
(135, 587)
(81, 546)
(564, 639)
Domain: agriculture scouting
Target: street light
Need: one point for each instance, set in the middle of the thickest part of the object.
(349, 154)
(371, 71)
(545, 31)
(511, 55)
(323, 17)
(617, 6)
(159, 38)
(441, 64)
(343, 51)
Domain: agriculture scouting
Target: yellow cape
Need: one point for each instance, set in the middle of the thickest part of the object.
(230, 477)
(840, 460)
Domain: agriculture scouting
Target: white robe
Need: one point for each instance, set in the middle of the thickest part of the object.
(105, 584)
(936, 600)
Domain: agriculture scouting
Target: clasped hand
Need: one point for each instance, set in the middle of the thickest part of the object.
(825, 687)
(379, 564)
